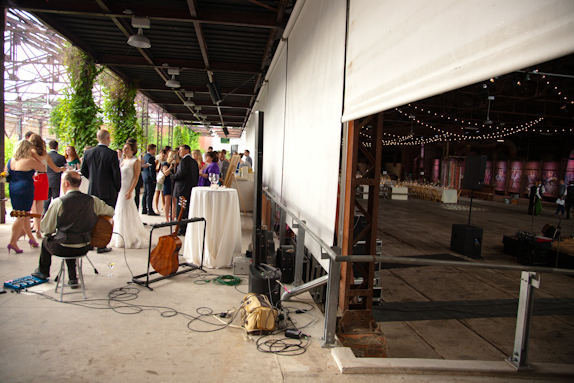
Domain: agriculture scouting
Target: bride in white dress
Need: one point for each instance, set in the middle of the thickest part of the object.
(127, 221)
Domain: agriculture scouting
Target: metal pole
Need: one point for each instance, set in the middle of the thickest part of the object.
(299, 254)
(282, 223)
(528, 282)
(331, 303)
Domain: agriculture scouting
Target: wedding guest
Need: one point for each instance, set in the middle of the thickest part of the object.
(160, 159)
(54, 178)
(72, 158)
(22, 167)
(212, 167)
(41, 183)
(149, 179)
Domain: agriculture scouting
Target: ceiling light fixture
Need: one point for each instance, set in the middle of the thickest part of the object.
(488, 120)
(172, 82)
(188, 102)
(139, 40)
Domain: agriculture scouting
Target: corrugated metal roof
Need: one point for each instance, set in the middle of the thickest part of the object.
(233, 40)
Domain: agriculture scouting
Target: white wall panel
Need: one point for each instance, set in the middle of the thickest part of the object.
(274, 127)
(403, 51)
(315, 73)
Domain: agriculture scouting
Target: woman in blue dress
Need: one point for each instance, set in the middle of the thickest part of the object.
(212, 167)
(22, 167)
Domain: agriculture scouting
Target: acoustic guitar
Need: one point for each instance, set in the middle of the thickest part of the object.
(101, 233)
(164, 257)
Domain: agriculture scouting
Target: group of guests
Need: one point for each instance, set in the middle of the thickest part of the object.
(113, 185)
(564, 202)
(35, 180)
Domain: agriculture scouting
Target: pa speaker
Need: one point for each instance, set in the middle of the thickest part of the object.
(474, 170)
(466, 240)
(214, 93)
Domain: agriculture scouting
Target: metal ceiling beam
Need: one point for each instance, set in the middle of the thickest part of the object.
(85, 8)
(196, 65)
(197, 89)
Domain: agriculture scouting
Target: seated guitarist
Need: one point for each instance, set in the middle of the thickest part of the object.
(67, 226)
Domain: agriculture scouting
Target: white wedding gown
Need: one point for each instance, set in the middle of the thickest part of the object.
(127, 221)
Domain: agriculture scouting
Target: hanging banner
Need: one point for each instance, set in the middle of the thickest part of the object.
(500, 177)
(488, 173)
(515, 177)
(550, 178)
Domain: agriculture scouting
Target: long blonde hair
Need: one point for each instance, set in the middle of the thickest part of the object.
(23, 150)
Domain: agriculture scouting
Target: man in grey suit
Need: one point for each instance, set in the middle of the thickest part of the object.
(102, 168)
(54, 178)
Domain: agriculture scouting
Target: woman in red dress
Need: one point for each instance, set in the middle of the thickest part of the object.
(41, 185)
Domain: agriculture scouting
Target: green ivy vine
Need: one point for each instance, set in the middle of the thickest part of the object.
(120, 111)
(76, 120)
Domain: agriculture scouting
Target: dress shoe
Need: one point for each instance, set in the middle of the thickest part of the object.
(10, 247)
(39, 275)
(33, 243)
(153, 214)
(103, 250)
(73, 283)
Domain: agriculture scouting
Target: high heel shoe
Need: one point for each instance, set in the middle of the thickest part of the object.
(10, 247)
(33, 243)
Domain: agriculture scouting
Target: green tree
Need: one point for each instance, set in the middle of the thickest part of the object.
(185, 136)
(120, 111)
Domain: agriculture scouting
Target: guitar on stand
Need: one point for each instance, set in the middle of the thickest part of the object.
(164, 258)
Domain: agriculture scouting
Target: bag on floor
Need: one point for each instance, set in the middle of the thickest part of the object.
(257, 314)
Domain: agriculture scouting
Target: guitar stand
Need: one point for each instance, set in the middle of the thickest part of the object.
(138, 279)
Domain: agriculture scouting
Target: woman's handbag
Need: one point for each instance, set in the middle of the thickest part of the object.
(160, 177)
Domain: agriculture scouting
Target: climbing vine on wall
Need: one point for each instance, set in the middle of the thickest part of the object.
(120, 110)
(76, 119)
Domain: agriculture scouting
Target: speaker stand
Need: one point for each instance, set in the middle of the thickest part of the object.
(470, 210)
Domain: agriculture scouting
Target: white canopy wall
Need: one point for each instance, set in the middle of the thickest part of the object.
(404, 51)
(315, 74)
(274, 127)
(397, 52)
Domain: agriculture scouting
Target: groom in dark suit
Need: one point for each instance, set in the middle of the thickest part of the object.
(102, 168)
(149, 180)
(54, 178)
(184, 179)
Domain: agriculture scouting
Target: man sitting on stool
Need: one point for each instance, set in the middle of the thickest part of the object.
(67, 226)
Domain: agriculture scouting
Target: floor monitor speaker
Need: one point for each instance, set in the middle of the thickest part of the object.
(466, 240)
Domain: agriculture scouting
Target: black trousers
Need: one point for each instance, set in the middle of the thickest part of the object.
(53, 192)
(147, 203)
(531, 206)
(569, 204)
(51, 247)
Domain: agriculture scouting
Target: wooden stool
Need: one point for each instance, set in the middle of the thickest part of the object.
(62, 275)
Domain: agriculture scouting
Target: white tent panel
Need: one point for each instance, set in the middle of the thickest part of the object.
(403, 51)
(274, 128)
(315, 72)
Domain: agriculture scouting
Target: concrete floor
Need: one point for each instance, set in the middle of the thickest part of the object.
(103, 340)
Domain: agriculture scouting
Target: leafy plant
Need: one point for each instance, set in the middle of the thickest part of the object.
(120, 111)
(183, 135)
(76, 119)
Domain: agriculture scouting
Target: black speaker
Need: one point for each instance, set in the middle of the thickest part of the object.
(214, 93)
(548, 230)
(286, 262)
(474, 169)
(466, 240)
(263, 280)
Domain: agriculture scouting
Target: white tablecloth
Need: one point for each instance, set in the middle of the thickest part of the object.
(450, 196)
(220, 208)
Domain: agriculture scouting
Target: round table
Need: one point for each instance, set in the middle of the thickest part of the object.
(220, 208)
